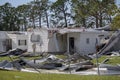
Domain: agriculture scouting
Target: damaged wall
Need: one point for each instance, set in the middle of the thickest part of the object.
(40, 47)
(3, 37)
(85, 42)
(88, 42)
(49, 42)
(80, 42)
(53, 40)
(16, 38)
(61, 43)
(9, 40)
(112, 45)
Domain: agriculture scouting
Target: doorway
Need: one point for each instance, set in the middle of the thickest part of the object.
(8, 44)
(71, 45)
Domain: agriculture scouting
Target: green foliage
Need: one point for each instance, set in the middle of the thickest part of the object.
(113, 60)
(14, 75)
(116, 22)
(23, 12)
(9, 19)
(98, 12)
(23, 16)
(60, 8)
(38, 12)
(81, 12)
(85, 13)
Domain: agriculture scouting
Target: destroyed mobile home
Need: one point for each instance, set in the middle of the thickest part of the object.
(83, 41)
(12, 39)
(78, 42)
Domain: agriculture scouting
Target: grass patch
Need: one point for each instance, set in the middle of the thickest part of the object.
(4, 58)
(61, 56)
(14, 75)
(32, 58)
(16, 58)
(113, 60)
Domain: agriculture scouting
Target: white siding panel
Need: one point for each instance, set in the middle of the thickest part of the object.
(44, 36)
(3, 37)
(87, 47)
(15, 38)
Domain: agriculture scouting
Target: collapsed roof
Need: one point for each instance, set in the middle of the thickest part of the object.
(112, 45)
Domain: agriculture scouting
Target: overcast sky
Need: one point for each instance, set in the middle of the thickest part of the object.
(19, 2)
(16, 2)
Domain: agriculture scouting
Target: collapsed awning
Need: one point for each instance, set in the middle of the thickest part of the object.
(112, 45)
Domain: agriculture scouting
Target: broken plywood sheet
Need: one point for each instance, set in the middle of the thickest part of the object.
(112, 45)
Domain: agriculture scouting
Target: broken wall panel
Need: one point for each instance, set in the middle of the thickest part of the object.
(112, 45)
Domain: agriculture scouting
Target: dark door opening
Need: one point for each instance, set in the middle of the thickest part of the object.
(8, 44)
(71, 45)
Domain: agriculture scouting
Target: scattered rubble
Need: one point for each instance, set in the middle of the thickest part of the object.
(73, 64)
(112, 45)
(14, 52)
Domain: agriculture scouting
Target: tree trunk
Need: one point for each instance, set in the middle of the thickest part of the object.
(96, 21)
(84, 22)
(40, 20)
(66, 25)
(110, 19)
(22, 27)
(47, 19)
(33, 20)
(33, 17)
(100, 20)
(25, 26)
